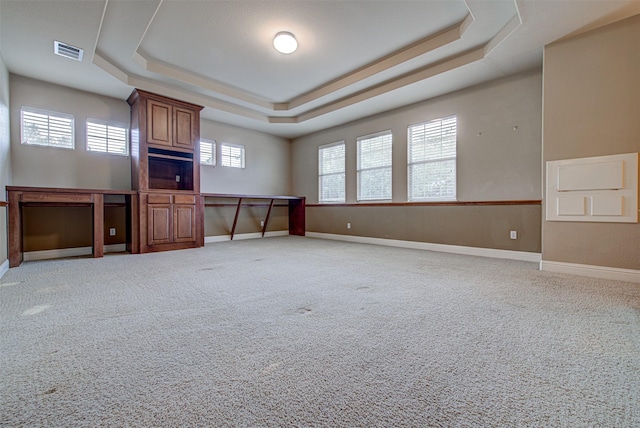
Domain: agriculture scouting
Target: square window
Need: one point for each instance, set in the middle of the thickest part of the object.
(45, 128)
(232, 155)
(105, 137)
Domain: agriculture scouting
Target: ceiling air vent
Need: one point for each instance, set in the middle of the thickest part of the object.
(67, 51)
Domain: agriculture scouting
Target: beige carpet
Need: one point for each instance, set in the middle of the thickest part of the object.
(293, 331)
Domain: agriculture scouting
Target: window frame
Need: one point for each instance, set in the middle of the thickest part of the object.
(214, 152)
(108, 124)
(49, 114)
(359, 169)
(410, 162)
(237, 146)
(343, 172)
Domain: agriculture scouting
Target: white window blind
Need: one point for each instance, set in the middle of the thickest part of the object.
(107, 138)
(232, 155)
(432, 160)
(331, 173)
(208, 152)
(44, 128)
(374, 167)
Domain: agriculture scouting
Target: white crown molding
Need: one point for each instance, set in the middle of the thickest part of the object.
(414, 50)
(185, 76)
(431, 70)
(238, 102)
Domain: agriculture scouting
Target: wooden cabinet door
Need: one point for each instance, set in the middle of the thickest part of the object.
(160, 224)
(184, 122)
(159, 123)
(184, 223)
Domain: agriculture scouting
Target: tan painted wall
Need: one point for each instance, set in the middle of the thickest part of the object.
(52, 167)
(49, 228)
(219, 219)
(592, 108)
(471, 226)
(267, 162)
(5, 155)
(502, 163)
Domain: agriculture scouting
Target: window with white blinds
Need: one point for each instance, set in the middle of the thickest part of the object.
(331, 173)
(107, 138)
(432, 160)
(374, 167)
(232, 155)
(45, 128)
(208, 152)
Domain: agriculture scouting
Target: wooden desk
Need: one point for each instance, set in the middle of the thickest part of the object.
(296, 210)
(46, 196)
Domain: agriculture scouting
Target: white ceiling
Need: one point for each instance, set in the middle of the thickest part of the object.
(355, 58)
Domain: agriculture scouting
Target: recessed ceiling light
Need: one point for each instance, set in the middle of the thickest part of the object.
(285, 42)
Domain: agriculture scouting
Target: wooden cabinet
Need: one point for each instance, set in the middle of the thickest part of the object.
(170, 221)
(184, 223)
(170, 125)
(165, 170)
(165, 143)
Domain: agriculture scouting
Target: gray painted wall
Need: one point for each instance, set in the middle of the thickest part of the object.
(592, 108)
(5, 154)
(53, 167)
(267, 162)
(267, 157)
(499, 164)
(499, 158)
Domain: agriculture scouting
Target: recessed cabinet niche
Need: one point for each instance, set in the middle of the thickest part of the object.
(165, 170)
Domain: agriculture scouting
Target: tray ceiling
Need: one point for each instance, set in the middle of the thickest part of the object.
(355, 58)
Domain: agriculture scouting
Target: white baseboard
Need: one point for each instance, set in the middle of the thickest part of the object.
(4, 268)
(56, 254)
(115, 248)
(241, 236)
(455, 249)
(70, 252)
(603, 272)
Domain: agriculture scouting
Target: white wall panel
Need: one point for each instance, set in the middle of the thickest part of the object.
(596, 189)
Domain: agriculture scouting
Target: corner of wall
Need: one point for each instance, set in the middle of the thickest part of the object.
(5, 160)
(590, 109)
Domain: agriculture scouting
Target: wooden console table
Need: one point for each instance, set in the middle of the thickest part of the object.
(296, 210)
(46, 196)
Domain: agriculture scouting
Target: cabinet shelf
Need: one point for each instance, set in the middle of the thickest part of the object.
(176, 158)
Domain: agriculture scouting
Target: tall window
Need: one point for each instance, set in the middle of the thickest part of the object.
(106, 138)
(432, 160)
(232, 155)
(45, 128)
(374, 167)
(331, 187)
(208, 152)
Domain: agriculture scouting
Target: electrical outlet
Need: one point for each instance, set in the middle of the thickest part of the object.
(348, 225)
(513, 234)
(177, 179)
(261, 223)
(112, 231)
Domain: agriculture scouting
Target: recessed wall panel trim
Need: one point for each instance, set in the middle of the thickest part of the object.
(596, 189)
